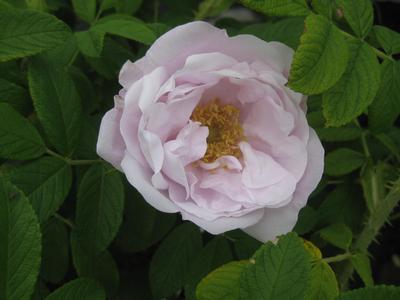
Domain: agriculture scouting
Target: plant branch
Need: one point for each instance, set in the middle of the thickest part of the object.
(375, 221)
(73, 162)
(337, 258)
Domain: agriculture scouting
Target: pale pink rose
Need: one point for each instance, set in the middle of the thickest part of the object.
(205, 126)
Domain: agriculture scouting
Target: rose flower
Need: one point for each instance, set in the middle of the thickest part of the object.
(205, 126)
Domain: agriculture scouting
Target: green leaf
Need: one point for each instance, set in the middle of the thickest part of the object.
(278, 7)
(278, 271)
(312, 250)
(338, 235)
(216, 253)
(55, 253)
(90, 42)
(89, 132)
(63, 55)
(82, 289)
(321, 58)
(5, 5)
(308, 218)
(18, 138)
(362, 265)
(86, 10)
(343, 161)
(14, 95)
(222, 283)
(112, 58)
(90, 106)
(336, 208)
(128, 6)
(390, 143)
(323, 284)
(107, 4)
(129, 29)
(41, 291)
(101, 267)
(348, 132)
(244, 245)
(99, 208)
(39, 5)
(27, 32)
(11, 71)
(287, 31)
(372, 293)
(342, 134)
(388, 39)
(159, 28)
(56, 102)
(357, 88)
(169, 267)
(359, 14)
(212, 8)
(386, 107)
(20, 244)
(46, 182)
(143, 226)
(323, 7)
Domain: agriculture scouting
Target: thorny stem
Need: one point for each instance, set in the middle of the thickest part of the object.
(73, 162)
(374, 222)
(376, 218)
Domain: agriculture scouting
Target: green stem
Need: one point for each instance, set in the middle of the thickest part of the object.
(64, 220)
(337, 258)
(365, 145)
(73, 162)
(378, 218)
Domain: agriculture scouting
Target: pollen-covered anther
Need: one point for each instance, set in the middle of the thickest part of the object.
(225, 129)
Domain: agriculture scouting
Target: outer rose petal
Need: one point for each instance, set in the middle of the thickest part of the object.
(172, 48)
(277, 221)
(110, 145)
(140, 178)
(224, 224)
(250, 48)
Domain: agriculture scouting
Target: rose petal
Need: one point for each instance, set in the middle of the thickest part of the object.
(224, 224)
(277, 221)
(191, 143)
(249, 48)
(110, 144)
(140, 178)
(313, 172)
(172, 48)
(260, 170)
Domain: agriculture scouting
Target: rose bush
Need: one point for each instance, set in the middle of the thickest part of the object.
(205, 126)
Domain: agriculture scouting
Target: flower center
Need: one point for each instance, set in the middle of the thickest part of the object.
(225, 130)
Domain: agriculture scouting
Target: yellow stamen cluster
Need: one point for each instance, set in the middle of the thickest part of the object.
(225, 130)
